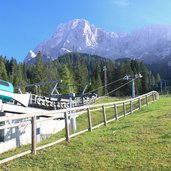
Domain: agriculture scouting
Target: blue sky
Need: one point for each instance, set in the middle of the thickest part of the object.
(26, 23)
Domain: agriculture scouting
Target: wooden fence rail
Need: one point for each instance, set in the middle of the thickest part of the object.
(67, 113)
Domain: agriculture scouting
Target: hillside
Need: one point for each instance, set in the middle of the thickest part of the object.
(163, 67)
(78, 69)
(138, 142)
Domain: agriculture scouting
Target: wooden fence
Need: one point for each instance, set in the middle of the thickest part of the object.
(125, 107)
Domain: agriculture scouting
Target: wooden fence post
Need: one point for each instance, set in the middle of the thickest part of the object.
(116, 112)
(130, 106)
(156, 96)
(104, 115)
(89, 120)
(34, 135)
(146, 99)
(66, 126)
(153, 96)
(139, 102)
(124, 109)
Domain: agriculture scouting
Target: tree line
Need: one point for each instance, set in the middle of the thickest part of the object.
(78, 70)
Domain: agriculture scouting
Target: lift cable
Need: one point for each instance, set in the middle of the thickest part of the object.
(116, 89)
(106, 85)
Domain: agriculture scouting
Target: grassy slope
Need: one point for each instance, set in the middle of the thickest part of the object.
(141, 141)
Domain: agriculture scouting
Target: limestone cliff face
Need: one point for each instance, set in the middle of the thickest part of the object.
(148, 44)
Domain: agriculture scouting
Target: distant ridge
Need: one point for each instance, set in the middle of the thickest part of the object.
(149, 44)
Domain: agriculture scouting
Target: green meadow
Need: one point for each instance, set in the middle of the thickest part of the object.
(140, 141)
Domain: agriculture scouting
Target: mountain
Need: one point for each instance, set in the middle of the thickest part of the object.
(150, 44)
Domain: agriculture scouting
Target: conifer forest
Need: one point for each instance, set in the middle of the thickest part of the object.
(78, 70)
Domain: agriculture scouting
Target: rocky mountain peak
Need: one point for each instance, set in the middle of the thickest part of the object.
(80, 35)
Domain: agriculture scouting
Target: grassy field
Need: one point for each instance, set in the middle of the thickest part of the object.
(141, 141)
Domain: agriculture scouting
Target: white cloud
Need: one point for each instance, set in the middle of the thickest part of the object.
(121, 3)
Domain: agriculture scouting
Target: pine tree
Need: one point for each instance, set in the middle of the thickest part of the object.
(12, 68)
(40, 75)
(19, 77)
(81, 75)
(158, 79)
(66, 77)
(3, 71)
(96, 81)
(145, 79)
